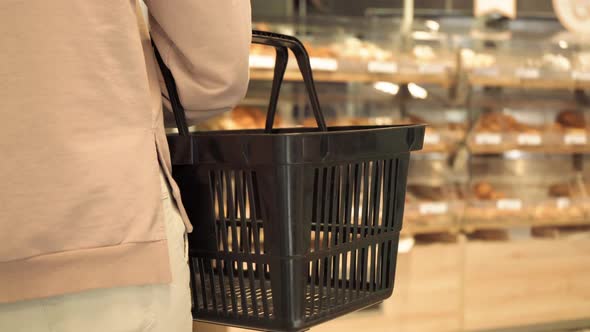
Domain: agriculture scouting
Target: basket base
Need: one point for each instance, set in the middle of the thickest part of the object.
(328, 303)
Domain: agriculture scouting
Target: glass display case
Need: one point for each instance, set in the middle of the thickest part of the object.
(506, 149)
(520, 188)
(347, 49)
(433, 198)
(520, 58)
(500, 106)
(529, 120)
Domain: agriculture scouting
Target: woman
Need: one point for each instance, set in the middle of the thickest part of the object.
(91, 236)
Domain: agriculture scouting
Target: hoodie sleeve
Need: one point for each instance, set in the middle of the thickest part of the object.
(205, 43)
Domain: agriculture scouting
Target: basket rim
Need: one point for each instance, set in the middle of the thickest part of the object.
(296, 131)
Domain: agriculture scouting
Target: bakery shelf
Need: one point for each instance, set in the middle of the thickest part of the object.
(473, 225)
(530, 62)
(504, 128)
(529, 212)
(343, 77)
(525, 190)
(425, 216)
(515, 82)
(582, 84)
(503, 150)
(410, 228)
(442, 139)
(447, 125)
(527, 79)
(337, 54)
(433, 202)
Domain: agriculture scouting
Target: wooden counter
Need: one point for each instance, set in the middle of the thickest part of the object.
(481, 286)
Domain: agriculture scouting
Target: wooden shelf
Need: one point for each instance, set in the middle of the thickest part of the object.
(363, 77)
(528, 285)
(410, 228)
(473, 225)
(515, 82)
(584, 85)
(493, 149)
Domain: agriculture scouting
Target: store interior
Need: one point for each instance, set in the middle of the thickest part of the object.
(496, 228)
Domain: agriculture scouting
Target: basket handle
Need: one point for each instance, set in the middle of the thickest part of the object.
(177, 108)
(281, 43)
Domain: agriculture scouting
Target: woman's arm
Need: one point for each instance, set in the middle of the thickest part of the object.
(205, 43)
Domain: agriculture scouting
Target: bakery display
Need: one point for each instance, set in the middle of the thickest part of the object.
(564, 203)
(487, 203)
(472, 60)
(485, 191)
(241, 117)
(498, 122)
(498, 131)
(510, 112)
(557, 203)
(569, 131)
(571, 119)
(353, 48)
(340, 122)
(431, 207)
(439, 136)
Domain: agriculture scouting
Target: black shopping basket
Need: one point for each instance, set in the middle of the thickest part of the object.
(293, 227)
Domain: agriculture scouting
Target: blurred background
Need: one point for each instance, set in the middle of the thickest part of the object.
(497, 220)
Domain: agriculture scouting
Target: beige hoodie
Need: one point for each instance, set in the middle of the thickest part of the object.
(82, 137)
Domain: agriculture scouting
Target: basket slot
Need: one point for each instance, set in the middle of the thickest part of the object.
(218, 184)
(231, 211)
(377, 197)
(238, 227)
(313, 281)
(327, 182)
(367, 188)
(351, 202)
(217, 194)
(236, 242)
(389, 190)
(265, 293)
(252, 199)
(209, 271)
(391, 252)
(232, 287)
(357, 196)
(335, 220)
(366, 276)
(250, 301)
(241, 195)
(360, 271)
(193, 284)
(203, 285)
(320, 289)
(222, 287)
(394, 191)
(347, 229)
(378, 285)
(253, 290)
(365, 199)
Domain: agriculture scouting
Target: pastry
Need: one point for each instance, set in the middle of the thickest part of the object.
(319, 51)
(339, 122)
(560, 190)
(426, 193)
(500, 122)
(249, 117)
(571, 119)
(485, 191)
(355, 49)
